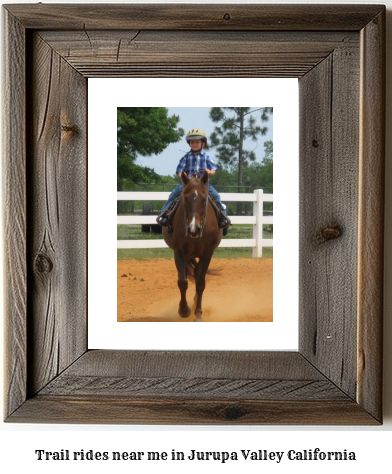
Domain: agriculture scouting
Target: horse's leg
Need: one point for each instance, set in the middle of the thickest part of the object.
(200, 279)
(183, 310)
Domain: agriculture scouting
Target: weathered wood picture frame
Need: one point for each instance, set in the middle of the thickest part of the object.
(337, 53)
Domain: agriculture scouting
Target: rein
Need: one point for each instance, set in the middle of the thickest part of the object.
(203, 220)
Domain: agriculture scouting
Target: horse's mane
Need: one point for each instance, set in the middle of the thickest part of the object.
(195, 181)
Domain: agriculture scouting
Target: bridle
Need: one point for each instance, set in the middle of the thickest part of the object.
(203, 220)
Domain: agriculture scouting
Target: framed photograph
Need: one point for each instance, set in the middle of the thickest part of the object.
(337, 53)
(143, 285)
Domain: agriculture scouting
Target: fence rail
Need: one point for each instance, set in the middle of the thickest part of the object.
(257, 220)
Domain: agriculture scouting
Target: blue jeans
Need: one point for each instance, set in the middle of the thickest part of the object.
(178, 190)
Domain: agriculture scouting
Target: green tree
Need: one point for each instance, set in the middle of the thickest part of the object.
(236, 126)
(265, 174)
(256, 175)
(142, 131)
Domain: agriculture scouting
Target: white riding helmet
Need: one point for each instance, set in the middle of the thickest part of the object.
(196, 134)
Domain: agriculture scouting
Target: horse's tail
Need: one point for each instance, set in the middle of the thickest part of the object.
(190, 269)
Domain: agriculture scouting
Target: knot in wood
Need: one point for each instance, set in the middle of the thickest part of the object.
(315, 143)
(328, 233)
(232, 412)
(69, 129)
(227, 16)
(43, 264)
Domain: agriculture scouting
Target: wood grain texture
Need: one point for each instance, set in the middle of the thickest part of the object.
(195, 374)
(198, 387)
(194, 53)
(14, 208)
(371, 215)
(329, 167)
(192, 387)
(192, 17)
(335, 378)
(57, 196)
(156, 411)
(209, 364)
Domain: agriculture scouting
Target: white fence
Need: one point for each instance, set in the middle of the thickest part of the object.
(258, 220)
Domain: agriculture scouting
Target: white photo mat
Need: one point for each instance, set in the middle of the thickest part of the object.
(104, 96)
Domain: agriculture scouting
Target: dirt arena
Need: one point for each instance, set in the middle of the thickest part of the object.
(238, 290)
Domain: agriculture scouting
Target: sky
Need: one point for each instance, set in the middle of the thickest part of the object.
(190, 117)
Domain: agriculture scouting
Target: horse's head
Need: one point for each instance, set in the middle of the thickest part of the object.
(195, 199)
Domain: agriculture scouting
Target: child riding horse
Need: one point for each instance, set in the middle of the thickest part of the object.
(196, 162)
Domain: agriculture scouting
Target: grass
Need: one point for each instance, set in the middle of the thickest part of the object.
(133, 232)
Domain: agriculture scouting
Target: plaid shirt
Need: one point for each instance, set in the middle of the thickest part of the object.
(193, 163)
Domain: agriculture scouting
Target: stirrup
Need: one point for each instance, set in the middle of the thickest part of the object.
(163, 220)
(223, 222)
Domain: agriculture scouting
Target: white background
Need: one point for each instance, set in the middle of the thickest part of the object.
(372, 445)
(104, 331)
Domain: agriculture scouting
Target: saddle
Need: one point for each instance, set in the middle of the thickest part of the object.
(174, 205)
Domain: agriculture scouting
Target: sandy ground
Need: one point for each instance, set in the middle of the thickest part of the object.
(237, 290)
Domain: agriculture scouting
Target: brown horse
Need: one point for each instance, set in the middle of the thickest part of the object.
(194, 238)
